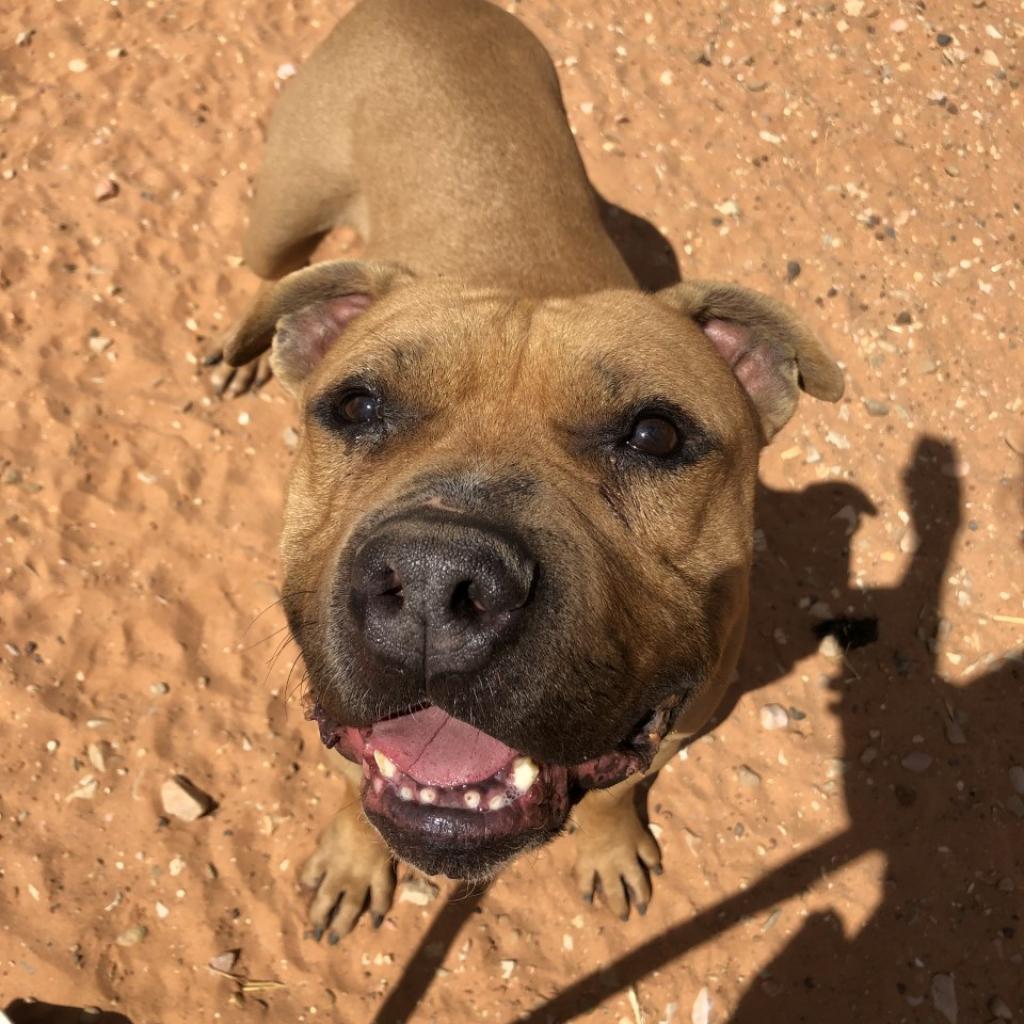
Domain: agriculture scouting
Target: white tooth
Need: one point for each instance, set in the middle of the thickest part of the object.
(384, 763)
(406, 793)
(471, 798)
(428, 795)
(524, 773)
(497, 802)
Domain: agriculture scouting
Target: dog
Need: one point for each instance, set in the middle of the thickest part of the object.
(518, 531)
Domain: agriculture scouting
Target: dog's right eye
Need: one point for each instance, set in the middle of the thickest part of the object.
(359, 408)
(355, 410)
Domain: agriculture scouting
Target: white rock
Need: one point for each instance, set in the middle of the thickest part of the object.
(701, 1012)
(774, 716)
(829, 647)
(917, 761)
(183, 800)
(132, 936)
(225, 962)
(417, 891)
(943, 993)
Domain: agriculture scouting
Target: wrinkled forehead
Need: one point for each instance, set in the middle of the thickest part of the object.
(611, 349)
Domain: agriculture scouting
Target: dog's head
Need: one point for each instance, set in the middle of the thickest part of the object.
(518, 532)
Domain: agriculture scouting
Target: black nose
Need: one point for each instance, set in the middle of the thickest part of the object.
(434, 592)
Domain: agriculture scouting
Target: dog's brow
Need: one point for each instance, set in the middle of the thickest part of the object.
(612, 377)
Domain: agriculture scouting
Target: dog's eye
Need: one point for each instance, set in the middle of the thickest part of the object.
(655, 436)
(359, 408)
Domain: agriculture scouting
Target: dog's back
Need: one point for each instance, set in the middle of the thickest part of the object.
(412, 109)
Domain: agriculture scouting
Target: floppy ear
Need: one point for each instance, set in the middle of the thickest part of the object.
(771, 352)
(305, 313)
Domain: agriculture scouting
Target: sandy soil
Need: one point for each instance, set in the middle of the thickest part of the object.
(863, 862)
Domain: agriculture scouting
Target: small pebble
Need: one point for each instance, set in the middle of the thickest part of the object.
(507, 967)
(917, 761)
(107, 190)
(701, 1011)
(829, 647)
(225, 961)
(876, 408)
(99, 344)
(286, 71)
(943, 39)
(98, 754)
(132, 936)
(774, 716)
(418, 891)
(955, 733)
(746, 776)
(291, 437)
(183, 800)
(910, 542)
(77, 66)
(998, 1008)
(24, 37)
(793, 270)
(943, 993)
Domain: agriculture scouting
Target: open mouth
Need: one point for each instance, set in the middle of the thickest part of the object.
(453, 800)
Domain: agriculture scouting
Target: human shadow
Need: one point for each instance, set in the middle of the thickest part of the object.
(26, 1011)
(948, 815)
(422, 967)
(927, 784)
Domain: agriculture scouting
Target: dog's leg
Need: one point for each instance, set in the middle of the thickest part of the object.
(350, 870)
(615, 851)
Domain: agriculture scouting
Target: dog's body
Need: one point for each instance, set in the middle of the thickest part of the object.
(518, 531)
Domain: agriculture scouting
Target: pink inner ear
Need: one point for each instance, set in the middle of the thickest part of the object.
(303, 338)
(755, 367)
(731, 339)
(344, 309)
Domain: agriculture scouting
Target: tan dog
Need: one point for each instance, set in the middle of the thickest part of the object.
(518, 531)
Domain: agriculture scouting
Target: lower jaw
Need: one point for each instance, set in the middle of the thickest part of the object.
(470, 844)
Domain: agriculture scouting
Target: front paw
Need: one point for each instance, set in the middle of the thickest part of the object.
(615, 856)
(351, 871)
(228, 381)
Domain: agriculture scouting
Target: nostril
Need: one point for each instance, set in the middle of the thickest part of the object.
(465, 600)
(387, 591)
(391, 584)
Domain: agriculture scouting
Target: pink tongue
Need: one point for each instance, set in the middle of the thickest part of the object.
(439, 750)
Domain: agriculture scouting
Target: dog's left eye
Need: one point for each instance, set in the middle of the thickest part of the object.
(654, 436)
(359, 408)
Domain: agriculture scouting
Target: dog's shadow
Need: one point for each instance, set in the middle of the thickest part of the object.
(645, 250)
